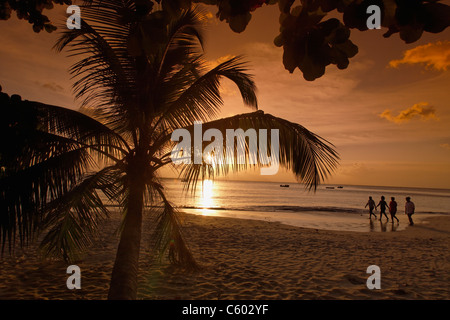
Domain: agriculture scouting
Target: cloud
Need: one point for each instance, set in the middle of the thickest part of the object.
(51, 86)
(420, 110)
(355, 169)
(433, 55)
(207, 17)
(214, 63)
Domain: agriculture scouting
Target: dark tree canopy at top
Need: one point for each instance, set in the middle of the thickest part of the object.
(310, 41)
(31, 11)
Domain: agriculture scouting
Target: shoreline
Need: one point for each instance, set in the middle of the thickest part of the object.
(322, 220)
(255, 260)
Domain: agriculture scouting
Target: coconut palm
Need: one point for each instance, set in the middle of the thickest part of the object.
(140, 76)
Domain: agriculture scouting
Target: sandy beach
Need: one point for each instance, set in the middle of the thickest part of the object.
(249, 259)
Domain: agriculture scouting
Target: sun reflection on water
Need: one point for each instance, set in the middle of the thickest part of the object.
(206, 200)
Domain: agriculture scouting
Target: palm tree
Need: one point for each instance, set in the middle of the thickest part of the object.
(141, 75)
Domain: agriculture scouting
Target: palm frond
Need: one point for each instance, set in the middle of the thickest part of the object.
(24, 194)
(72, 220)
(26, 119)
(308, 156)
(81, 128)
(49, 151)
(184, 39)
(171, 49)
(201, 100)
(167, 235)
(106, 71)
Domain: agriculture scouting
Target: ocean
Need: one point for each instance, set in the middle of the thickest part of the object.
(332, 207)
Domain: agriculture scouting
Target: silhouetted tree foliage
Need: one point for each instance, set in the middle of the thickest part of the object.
(12, 125)
(310, 41)
(31, 11)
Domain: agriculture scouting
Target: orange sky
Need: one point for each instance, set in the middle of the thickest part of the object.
(388, 114)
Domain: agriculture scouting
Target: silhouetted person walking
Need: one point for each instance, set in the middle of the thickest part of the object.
(409, 210)
(393, 209)
(372, 206)
(383, 205)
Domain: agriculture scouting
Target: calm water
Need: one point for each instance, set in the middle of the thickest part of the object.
(327, 208)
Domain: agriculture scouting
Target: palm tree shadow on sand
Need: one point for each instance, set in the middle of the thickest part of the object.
(140, 76)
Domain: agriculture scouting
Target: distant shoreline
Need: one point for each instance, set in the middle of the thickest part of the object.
(321, 185)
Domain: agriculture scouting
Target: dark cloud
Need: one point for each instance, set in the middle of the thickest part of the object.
(51, 86)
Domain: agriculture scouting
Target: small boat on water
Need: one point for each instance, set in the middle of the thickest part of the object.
(340, 187)
(284, 185)
(330, 187)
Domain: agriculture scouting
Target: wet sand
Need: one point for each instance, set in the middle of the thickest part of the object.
(251, 259)
(324, 220)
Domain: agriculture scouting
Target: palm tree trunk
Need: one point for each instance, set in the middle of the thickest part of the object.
(124, 278)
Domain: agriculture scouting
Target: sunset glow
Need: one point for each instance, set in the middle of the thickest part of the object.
(388, 113)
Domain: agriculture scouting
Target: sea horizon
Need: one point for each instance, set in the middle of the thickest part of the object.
(224, 178)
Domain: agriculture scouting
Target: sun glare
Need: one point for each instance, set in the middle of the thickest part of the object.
(209, 159)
